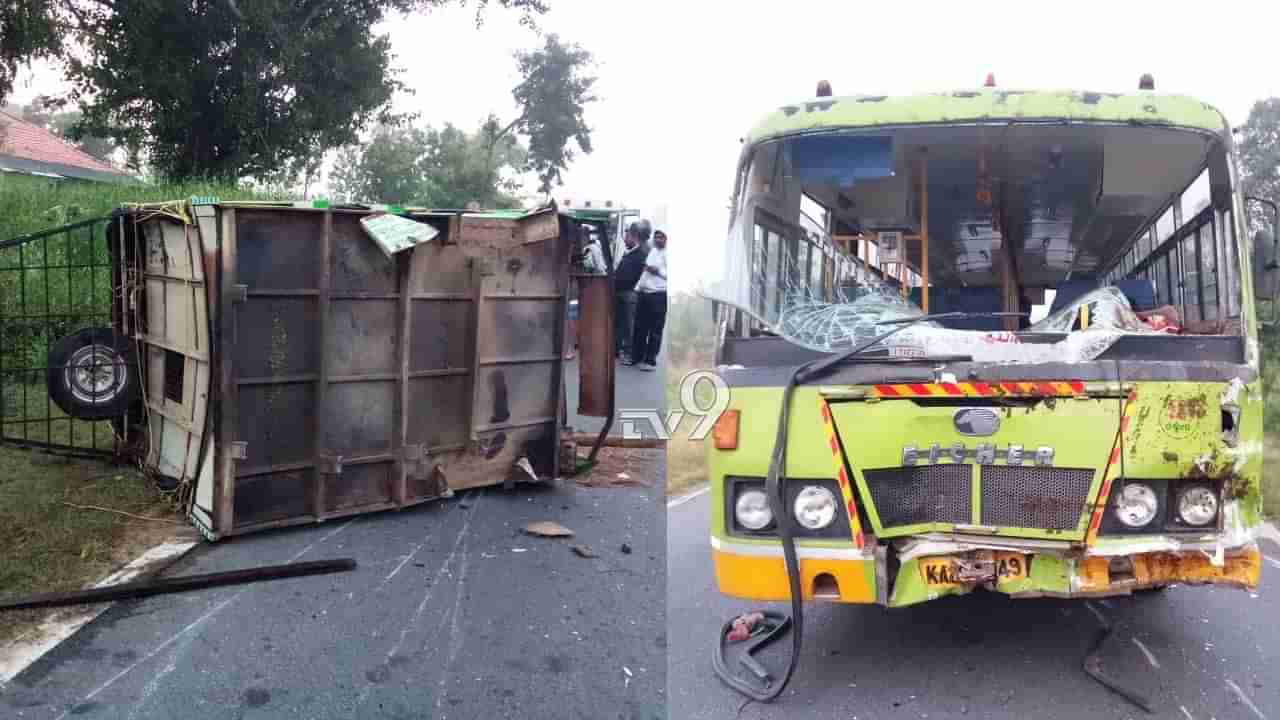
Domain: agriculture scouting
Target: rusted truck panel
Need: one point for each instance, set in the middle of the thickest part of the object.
(295, 373)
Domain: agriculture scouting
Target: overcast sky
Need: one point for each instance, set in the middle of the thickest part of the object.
(682, 81)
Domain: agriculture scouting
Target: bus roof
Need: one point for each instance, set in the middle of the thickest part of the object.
(984, 105)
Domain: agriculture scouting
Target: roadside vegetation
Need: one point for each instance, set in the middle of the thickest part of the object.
(690, 346)
(47, 545)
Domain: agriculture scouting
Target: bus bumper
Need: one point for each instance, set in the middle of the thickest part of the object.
(758, 572)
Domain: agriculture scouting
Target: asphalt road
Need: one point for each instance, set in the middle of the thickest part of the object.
(634, 389)
(1199, 652)
(452, 613)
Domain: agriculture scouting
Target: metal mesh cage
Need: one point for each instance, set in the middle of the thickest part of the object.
(931, 493)
(1046, 498)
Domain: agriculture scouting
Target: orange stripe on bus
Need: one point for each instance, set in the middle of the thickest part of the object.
(826, 413)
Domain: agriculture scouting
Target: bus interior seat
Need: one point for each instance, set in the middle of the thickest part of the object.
(1140, 292)
(1067, 293)
(964, 299)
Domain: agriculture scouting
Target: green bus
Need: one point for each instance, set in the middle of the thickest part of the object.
(1048, 376)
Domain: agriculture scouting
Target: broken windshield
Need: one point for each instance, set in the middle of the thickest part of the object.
(834, 233)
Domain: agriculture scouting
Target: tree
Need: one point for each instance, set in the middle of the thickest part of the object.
(554, 92)
(228, 89)
(386, 169)
(461, 168)
(1260, 159)
(29, 30)
(446, 168)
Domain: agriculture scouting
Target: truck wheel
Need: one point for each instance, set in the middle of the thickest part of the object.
(93, 374)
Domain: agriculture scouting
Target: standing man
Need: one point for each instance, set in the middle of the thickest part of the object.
(630, 267)
(651, 308)
(589, 260)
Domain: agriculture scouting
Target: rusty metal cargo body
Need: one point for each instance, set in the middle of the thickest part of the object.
(321, 378)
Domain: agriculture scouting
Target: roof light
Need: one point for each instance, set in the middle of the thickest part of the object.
(991, 80)
(1146, 82)
(824, 88)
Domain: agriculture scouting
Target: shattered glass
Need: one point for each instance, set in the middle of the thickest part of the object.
(798, 310)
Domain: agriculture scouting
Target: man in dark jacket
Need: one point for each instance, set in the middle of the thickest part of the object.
(630, 266)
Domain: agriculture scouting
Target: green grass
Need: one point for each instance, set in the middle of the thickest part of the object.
(30, 204)
(47, 546)
(43, 421)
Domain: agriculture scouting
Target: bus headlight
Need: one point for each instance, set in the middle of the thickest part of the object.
(815, 507)
(1136, 505)
(1197, 505)
(752, 510)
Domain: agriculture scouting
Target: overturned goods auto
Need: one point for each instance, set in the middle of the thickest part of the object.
(280, 364)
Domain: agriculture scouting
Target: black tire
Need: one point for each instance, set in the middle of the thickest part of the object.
(93, 374)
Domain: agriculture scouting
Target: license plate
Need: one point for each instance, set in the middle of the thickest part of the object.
(982, 566)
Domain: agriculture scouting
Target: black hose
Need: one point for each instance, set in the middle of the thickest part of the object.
(778, 503)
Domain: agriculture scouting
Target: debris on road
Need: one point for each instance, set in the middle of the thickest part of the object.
(626, 549)
(583, 551)
(547, 528)
(524, 464)
(743, 625)
(162, 586)
(620, 467)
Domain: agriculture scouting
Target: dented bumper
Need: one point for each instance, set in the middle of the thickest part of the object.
(756, 571)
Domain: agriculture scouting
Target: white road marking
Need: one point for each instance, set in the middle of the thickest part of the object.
(198, 622)
(1245, 699)
(1185, 714)
(1151, 658)
(1272, 561)
(20, 653)
(686, 498)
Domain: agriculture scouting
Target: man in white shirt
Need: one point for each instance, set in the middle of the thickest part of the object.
(651, 308)
(593, 256)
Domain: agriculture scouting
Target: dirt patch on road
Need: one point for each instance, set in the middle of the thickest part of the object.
(618, 467)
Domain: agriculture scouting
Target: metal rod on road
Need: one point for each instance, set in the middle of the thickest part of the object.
(156, 586)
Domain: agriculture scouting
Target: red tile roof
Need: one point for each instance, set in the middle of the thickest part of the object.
(20, 138)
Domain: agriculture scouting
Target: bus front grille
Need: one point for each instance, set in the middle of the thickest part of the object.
(1044, 498)
(924, 494)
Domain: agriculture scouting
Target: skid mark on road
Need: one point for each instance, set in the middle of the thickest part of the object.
(455, 634)
(427, 594)
(154, 683)
(416, 549)
(198, 622)
(1245, 699)
(1151, 658)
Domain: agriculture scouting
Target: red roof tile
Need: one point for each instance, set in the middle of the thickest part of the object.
(22, 139)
